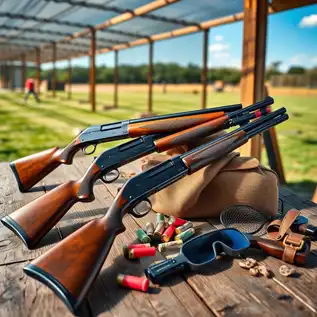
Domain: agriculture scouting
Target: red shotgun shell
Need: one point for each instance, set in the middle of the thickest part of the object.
(168, 233)
(141, 252)
(133, 282)
(176, 221)
(127, 247)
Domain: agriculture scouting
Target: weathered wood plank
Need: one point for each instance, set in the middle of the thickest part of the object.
(12, 248)
(227, 289)
(23, 296)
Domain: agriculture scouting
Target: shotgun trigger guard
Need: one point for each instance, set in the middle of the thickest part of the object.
(110, 176)
(86, 149)
(141, 209)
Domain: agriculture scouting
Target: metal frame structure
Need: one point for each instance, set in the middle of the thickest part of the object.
(254, 16)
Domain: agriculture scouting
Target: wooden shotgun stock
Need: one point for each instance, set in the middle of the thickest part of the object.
(34, 220)
(31, 169)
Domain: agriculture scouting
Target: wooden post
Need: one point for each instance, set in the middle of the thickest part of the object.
(23, 75)
(204, 71)
(150, 78)
(12, 81)
(92, 78)
(54, 70)
(38, 70)
(115, 79)
(69, 79)
(253, 63)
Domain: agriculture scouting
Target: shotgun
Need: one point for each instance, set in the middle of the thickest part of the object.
(71, 267)
(31, 169)
(34, 220)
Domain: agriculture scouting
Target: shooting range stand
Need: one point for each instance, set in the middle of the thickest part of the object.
(225, 289)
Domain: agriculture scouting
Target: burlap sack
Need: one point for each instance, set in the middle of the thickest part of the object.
(230, 181)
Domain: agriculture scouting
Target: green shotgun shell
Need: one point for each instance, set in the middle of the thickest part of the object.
(159, 218)
(149, 229)
(142, 236)
(169, 245)
(185, 235)
(184, 227)
(159, 229)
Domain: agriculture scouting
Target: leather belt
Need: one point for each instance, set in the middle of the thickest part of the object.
(280, 230)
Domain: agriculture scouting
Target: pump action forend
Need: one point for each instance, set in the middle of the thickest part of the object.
(34, 220)
(31, 169)
(71, 267)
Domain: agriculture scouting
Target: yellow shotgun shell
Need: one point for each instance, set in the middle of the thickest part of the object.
(169, 245)
(184, 227)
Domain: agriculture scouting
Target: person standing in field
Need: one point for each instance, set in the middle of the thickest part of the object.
(29, 85)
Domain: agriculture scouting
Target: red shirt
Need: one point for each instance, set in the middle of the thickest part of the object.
(29, 84)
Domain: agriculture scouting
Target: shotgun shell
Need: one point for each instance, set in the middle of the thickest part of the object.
(185, 235)
(141, 252)
(159, 229)
(159, 218)
(168, 233)
(133, 282)
(127, 247)
(176, 221)
(142, 236)
(184, 227)
(169, 245)
(149, 229)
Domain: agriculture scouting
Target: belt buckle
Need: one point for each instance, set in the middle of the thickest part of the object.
(286, 244)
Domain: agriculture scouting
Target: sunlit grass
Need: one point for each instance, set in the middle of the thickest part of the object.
(27, 129)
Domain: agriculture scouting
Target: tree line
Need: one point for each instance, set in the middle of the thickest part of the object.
(164, 73)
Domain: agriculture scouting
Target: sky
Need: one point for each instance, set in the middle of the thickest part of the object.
(291, 39)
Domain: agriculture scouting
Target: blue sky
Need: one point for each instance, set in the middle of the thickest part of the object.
(292, 39)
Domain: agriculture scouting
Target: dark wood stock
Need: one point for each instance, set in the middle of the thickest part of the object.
(38, 217)
(276, 249)
(183, 137)
(209, 153)
(170, 125)
(31, 169)
(76, 261)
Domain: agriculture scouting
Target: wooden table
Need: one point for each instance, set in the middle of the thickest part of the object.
(225, 290)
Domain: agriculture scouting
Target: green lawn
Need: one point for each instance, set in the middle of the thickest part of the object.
(54, 122)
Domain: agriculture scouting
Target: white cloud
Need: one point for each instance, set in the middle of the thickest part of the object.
(309, 21)
(221, 55)
(219, 47)
(218, 38)
(298, 58)
(314, 60)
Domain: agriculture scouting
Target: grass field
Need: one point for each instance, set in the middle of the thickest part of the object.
(27, 129)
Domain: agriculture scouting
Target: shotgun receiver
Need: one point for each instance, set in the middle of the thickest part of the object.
(31, 169)
(70, 267)
(34, 220)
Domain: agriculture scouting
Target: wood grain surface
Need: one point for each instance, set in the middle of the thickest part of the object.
(223, 290)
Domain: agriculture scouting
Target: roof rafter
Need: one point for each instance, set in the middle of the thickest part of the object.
(118, 10)
(40, 31)
(72, 24)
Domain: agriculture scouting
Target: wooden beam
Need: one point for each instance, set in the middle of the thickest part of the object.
(253, 63)
(54, 70)
(282, 5)
(23, 72)
(115, 79)
(38, 70)
(92, 79)
(142, 10)
(150, 78)
(204, 71)
(69, 79)
(12, 77)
